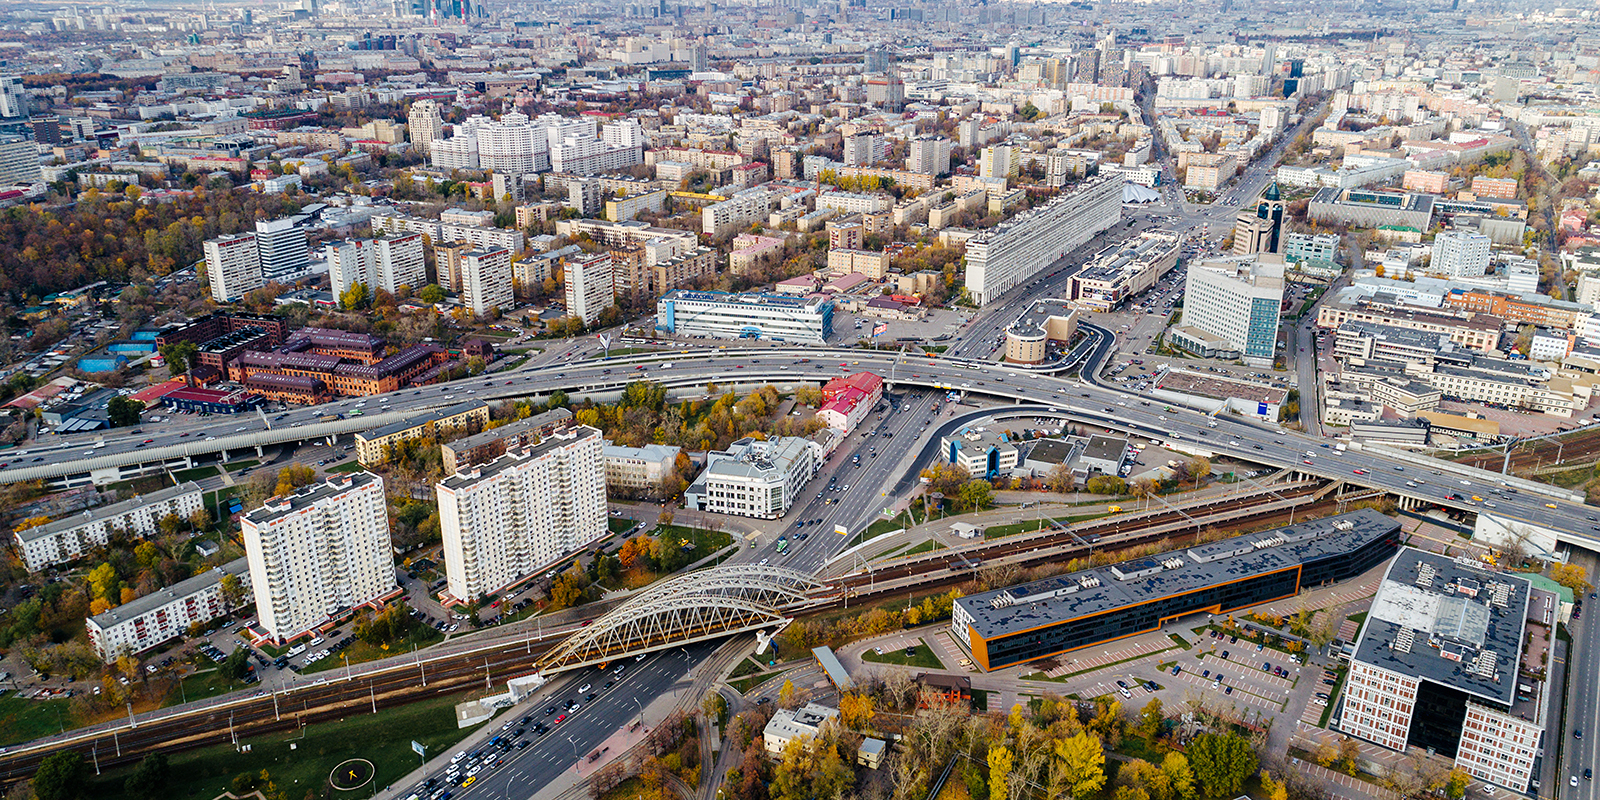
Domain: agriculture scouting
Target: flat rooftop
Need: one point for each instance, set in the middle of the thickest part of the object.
(283, 506)
(106, 512)
(1220, 388)
(239, 567)
(1453, 621)
(1099, 590)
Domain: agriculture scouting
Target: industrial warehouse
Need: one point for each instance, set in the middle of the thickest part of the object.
(1011, 626)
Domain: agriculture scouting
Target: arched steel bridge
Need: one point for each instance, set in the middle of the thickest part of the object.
(708, 604)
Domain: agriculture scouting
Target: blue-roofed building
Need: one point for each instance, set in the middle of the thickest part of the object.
(724, 315)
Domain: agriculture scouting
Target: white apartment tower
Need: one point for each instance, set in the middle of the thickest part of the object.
(386, 263)
(284, 251)
(997, 162)
(591, 286)
(233, 267)
(318, 552)
(426, 125)
(522, 512)
(928, 155)
(1460, 254)
(486, 280)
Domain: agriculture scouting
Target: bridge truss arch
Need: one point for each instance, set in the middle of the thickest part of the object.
(709, 604)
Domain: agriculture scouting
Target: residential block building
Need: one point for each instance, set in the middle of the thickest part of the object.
(523, 512)
(318, 553)
(165, 614)
(70, 537)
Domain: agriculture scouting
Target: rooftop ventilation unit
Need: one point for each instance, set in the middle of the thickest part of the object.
(1344, 525)
(1403, 639)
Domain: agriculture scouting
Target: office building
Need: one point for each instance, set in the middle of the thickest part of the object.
(802, 724)
(1258, 230)
(1316, 250)
(1371, 209)
(1460, 254)
(233, 266)
(522, 512)
(318, 553)
(165, 614)
(19, 161)
(638, 470)
(1007, 627)
(1126, 270)
(1013, 252)
(70, 537)
(753, 478)
(982, 453)
(1454, 658)
(284, 251)
(1239, 299)
(591, 287)
(383, 264)
(486, 281)
(724, 315)
(425, 124)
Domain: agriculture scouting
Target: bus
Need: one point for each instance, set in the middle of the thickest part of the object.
(783, 545)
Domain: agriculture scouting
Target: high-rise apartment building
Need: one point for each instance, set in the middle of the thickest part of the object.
(591, 286)
(513, 145)
(486, 280)
(1008, 255)
(19, 161)
(997, 162)
(233, 266)
(865, 149)
(318, 552)
(284, 251)
(386, 263)
(1460, 254)
(1237, 298)
(928, 155)
(13, 97)
(522, 512)
(425, 124)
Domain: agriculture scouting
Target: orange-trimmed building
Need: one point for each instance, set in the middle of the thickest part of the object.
(1012, 626)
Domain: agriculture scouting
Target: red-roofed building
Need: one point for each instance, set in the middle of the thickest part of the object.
(847, 400)
(152, 396)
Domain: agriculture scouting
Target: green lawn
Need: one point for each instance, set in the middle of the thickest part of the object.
(383, 738)
(348, 466)
(238, 465)
(361, 652)
(745, 667)
(23, 720)
(926, 547)
(922, 657)
(619, 524)
(194, 474)
(705, 541)
(883, 526)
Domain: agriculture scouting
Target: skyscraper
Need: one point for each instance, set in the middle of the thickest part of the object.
(233, 266)
(1460, 254)
(426, 125)
(522, 512)
(386, 263)
(1258, 230)
(1237, 298)
(13, 97)
(318, 552)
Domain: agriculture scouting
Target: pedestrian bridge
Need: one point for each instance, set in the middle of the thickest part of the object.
(708, 604)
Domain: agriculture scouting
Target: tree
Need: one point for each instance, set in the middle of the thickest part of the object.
(233, 591)
(567, 591)
(855, 710)
(60, 776)
(123, 413)
(1061, 478)
(1221, 763)
(714, 706)
(179, 356)
(1150, 719)
(786, 694)
(432, 293)
(1271, 789)
(149, 779)
(236, 664)
(1081, 760)
(1572, 576)
(1175, 766)
(1106, 484)
(1199, 468)
(103, 581)
(1000, 763)
(976, 494)
(1145, 776)
(354, 297)
(1456, 786)
(200, 520)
